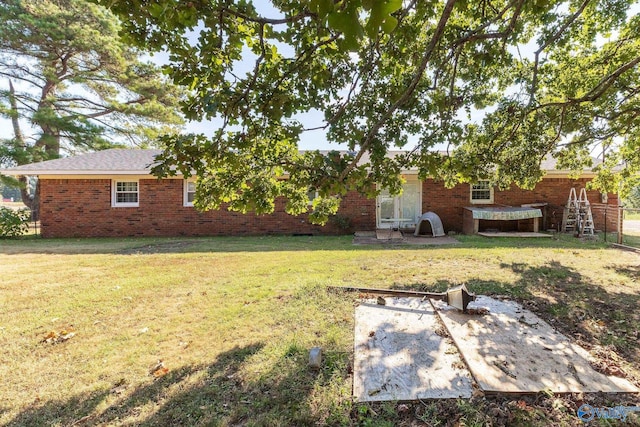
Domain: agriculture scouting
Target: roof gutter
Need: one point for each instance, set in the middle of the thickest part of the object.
(18, 172)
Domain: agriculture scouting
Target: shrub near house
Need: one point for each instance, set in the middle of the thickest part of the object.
(13, 223)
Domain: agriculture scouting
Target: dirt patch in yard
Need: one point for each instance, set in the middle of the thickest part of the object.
(158, 248)
(539, 409)
(397, 239)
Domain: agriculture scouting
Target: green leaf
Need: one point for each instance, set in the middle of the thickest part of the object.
(373, 24)
(390, 6)
(321, 7)
(156, 10)
(339, 21)
(389, 24)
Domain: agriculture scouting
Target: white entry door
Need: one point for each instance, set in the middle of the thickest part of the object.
(403, 210)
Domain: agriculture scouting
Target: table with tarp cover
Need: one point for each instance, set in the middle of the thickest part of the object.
(472, 216)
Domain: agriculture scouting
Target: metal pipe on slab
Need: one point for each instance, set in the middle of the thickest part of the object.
(458, 296)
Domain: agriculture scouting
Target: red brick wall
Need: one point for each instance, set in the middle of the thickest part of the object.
(82, 208)
(449, 204)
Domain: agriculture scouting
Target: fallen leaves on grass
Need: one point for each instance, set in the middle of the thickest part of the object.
(54, 337)
(402, 408)
(606, 361)
(158, 370)
(119, 387)
(521, 404)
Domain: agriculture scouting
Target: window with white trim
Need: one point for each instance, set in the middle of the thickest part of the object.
(312, 193)
(189, 192)
(481, 192)
(125, 194)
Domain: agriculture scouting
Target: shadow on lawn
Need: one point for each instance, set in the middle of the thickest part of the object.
(201, 395)
(59, 412)
(589, 313)
(631, 271)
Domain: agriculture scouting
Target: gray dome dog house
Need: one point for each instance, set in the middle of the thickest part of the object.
(434, 221)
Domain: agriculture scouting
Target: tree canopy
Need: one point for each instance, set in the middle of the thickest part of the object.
(74, 83)
(469, 89)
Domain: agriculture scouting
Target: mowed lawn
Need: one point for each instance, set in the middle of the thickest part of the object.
(217, 331)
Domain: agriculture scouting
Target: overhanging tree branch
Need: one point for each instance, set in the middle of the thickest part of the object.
(262, 20)
(435, 39)
(597, 91)
(554, 38)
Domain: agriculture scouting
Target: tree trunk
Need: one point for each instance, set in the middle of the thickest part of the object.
(30, 200)
(17, 132)
(47, 146)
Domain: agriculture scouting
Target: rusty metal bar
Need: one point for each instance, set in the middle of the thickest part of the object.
(391, 292)
(458, 296)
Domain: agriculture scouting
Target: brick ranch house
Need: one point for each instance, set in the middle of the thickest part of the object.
(111, 193)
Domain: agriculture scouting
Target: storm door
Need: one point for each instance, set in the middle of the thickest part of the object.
(400, 211)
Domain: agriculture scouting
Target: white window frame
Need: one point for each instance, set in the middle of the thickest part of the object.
(186, 191)
(481, 201)
(115, 192)
(314, 192)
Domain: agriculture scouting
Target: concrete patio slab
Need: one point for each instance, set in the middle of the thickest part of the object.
(517, 234)
(371, 238)
(401, 353)
(389, 234)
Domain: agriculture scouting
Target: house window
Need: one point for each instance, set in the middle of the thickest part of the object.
(189, 192)
(481, 192)
(312, 193)
(125, 194)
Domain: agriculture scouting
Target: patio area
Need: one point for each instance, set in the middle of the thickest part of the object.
(397, 237)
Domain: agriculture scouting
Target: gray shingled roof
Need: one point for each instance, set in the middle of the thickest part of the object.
(132, 162)
(112, 161)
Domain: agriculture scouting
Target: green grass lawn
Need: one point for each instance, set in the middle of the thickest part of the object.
(233, 319)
